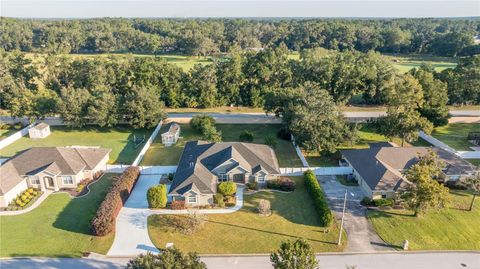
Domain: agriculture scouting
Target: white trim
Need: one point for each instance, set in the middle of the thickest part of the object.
(68, 183)
(192, 196)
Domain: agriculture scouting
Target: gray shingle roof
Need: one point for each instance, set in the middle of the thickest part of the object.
(380, 166)
(55, 160)
(200, 157)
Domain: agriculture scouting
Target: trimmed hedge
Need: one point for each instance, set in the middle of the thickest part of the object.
(104, 221)
(227, 188)
(319, 201)
(157, 196)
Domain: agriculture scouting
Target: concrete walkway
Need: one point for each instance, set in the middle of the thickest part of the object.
(390, 260)
(40, 199)
(131, 230)
(361, 235)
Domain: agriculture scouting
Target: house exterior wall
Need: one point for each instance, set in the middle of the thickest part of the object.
(7, 197)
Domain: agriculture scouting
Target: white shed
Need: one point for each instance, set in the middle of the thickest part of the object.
(40, 130)
(171, 136)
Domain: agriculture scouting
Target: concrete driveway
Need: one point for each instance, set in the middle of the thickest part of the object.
(361, 236)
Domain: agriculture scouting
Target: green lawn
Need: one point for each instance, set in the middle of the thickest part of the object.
(447, 229)
(4, 133)
(157, 154)
(245, 231)
(60, 226)
(119, 139)
(455, 134)
(406, 62)
(475, 162)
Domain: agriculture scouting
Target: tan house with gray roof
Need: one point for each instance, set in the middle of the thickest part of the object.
(49, 168)
(203, 165)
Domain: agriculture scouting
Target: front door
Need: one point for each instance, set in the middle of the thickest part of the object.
(239, 178)
(49, 182)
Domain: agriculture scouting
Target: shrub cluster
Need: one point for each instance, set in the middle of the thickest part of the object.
(218, 199)
(104, 221)
(271, 141)
(246, 136)
(283, 184)
(318, 197)
(228, 188)
(157, 196)
(284, 134)
(383, 202)
(177, 205)
(252, 185)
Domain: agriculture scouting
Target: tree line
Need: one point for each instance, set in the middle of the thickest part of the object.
(445, 37)
(114, 89)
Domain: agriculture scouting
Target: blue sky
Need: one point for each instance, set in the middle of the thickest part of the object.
(235, 8)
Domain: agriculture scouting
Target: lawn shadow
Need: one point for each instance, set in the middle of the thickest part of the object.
(389, 214)
(78, 213)
(130, 151)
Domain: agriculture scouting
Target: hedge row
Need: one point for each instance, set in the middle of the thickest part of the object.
(104, 221)
(318, 197)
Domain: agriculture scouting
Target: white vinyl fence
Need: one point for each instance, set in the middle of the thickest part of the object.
(437, 143)
(319, 171)
(147, 145)
(145, 170)
(469, 154)
(299, 152)
(14, 137)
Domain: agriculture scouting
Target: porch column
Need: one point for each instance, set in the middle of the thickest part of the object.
(55, 183)
(42, 183)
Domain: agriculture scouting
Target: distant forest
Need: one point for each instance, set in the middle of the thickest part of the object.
(442, 37)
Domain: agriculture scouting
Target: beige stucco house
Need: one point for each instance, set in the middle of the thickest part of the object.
(49, 168)
(203, 165)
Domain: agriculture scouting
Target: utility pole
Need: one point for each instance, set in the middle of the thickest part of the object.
(343, 215)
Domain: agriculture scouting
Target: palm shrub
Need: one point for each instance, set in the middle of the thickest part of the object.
(293, 255)
(157, 196)
(104, 221)
(228, 188)
(319, 201)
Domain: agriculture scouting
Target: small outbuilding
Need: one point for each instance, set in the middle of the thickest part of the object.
(171, 136)
(40, 130)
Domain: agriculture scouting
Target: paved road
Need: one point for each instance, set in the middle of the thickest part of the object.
(398, 260)
(361, 236)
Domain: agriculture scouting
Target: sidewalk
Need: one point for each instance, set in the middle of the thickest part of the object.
(44, 196)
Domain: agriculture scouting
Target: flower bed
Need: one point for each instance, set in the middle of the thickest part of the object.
(24, 200)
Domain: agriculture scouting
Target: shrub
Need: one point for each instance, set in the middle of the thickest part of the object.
(157, 196)
(246, 136)
(318, 197)
(177, 205)
(383, 202)
(227, 188)
(170, 176)
(205, 124)
(168, 258)
(286, 184)
(252, 185)
(284, 134)
(24, 197)
(366, 201)
(218, 199)
(271, 141)
(273, 184)
(104, 221)
(264, 207)
(30, 190)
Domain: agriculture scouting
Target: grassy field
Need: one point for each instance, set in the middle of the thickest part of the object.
(406, 62)
(119, 139)
(157, 154)
(449, 228)
(59, 227)
(455, 134)
(4, 133)
(475, 162)
(245, 231)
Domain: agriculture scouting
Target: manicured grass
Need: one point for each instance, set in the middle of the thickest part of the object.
(455, 134)
(449, 228)
(475, 162)
(157, 154)
(60, 226)
(4, 133)
(245, 231)
(118, 139)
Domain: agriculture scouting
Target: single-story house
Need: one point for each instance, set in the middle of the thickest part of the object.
(49, 168)
(203, 165)
(40, 130)
(379, 169)
(171, 136)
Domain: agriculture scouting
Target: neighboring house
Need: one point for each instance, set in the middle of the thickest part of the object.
(49, 168)
(379, 169)
(40, 130)
(203, 165)
(171, 136)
